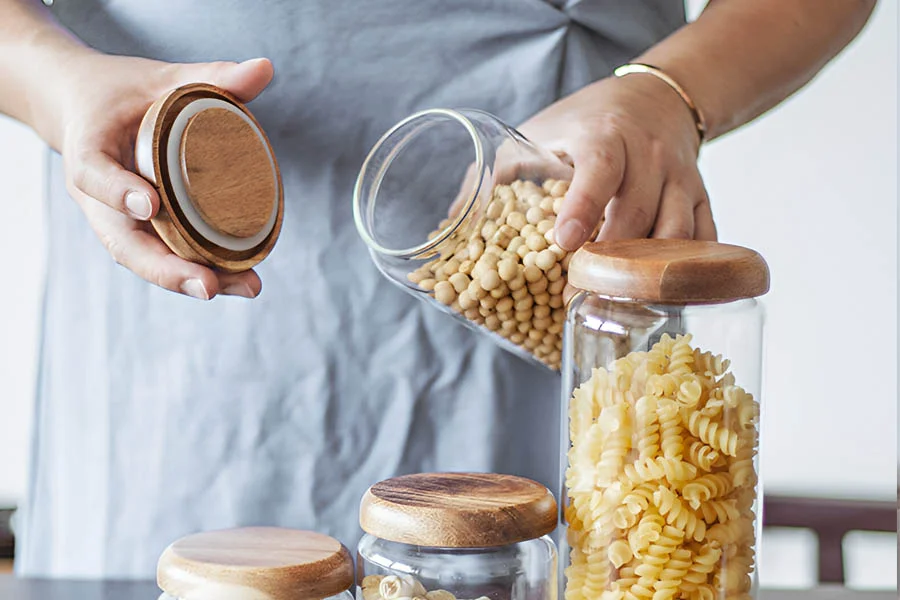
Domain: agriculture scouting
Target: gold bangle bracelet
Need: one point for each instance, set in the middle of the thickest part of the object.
(661, 75)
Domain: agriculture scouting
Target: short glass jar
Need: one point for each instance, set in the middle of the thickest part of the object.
(459, 208)
(661, 382)
(256, 563)
(448, 536)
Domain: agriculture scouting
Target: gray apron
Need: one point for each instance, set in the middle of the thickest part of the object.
(158, 415)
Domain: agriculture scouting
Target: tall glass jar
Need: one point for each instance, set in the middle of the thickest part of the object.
(458, 208)
(449, 536)
(661, 382)
(252, 563)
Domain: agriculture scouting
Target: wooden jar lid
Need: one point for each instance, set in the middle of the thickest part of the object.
(255, 562)
(458, 510)
(669, 271)
(218, 181)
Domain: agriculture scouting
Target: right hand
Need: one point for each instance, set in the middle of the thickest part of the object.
(103, 101)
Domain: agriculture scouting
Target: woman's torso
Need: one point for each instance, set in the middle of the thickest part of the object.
(158, 415)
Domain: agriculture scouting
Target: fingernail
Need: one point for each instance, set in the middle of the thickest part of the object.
(239, 289)
(138, 204)
(195, 289)
(570, 235)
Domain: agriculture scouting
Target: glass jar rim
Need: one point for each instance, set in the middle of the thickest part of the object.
(362, 222)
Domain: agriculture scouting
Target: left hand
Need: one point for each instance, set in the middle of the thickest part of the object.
(634, 147)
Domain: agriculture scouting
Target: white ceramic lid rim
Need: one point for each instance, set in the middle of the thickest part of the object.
(173, 152)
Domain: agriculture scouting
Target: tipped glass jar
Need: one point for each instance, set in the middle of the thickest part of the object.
(661, 381)
(459, 208)
(457, 536)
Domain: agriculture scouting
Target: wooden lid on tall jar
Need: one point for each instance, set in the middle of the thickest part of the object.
(255, 562)
(669, 271)
(220, 190)
(458, 510)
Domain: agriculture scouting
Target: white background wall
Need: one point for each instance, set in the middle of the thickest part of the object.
(813, 187)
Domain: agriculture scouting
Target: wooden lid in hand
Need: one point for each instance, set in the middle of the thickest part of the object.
(255, 562)
(669, 271)
(218, 181)
(458, 510)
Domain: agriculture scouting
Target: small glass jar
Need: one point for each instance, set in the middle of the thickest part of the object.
(661, 382)
(448, 536)
(459, 208)
(254, 563)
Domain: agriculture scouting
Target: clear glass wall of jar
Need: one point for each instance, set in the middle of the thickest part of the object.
(466, 536)
(661, 382)
(458, 208)
(256, 562)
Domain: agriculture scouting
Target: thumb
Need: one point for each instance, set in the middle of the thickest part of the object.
(245, 80)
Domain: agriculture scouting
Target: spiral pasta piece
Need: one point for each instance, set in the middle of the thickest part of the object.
(671, 432)
(721, 511)
(704, 562)
(647, 427)
(677, 514)
(714, 434)
(682, 357)
(707, 487)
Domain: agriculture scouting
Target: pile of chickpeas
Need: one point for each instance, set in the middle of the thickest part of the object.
(504, 271)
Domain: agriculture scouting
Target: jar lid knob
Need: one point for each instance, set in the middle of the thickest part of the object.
(669, 271)
(255, 562)
(458, 510)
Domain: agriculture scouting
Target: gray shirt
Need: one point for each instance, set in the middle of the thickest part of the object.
(159, 415)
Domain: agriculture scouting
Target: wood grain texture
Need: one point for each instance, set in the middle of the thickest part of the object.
(258, 562)
(170, 223)
(227, 173)
(458, 510)
(669, 271)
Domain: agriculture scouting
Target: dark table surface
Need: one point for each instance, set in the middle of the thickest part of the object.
(42, 589)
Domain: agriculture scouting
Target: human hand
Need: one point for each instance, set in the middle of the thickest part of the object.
(103, 101)
(634, 147)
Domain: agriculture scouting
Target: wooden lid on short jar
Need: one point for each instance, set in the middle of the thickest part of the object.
(458, 510)
(218, 181)
(669, 271)
(255, 562)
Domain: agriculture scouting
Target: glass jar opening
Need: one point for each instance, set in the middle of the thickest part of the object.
(423, 175)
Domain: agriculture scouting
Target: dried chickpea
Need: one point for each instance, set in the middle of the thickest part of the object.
(536, 242)
(488, 229)
(539, 286)
(520, 293)
(493, 250)
(546, 260)
(508, 325)
(527, 231)
(556, 301)
(524, 317)
(543, 350)
(516, 243)
(506, 304)
(530, 343)
(494, 209)
(504, 236)
(541, 311)
(518, 283)
(565, 261)
(557, 251)
(416, 276)
(535, 215)
(500, 291)
(554, 357)
(476, 249)
(542, 299)
(529, 259)
(536, 335)
(427, 284)
(490, 280)
(541, 324)
(466, 300)
(532, 274)
(466, 267)
(508, 269)
(559, 316)
(517, 338)
(492, 322)
(523, 327)
(548, 237)
(505, 193)
(508, 209)
(460, 282)
(451, 267)
(557, 204)
(555, 328)
(556, 287)
(472, 314)
(506, 316)
(476, 290)
(444, 292)
(546, 225)
(548, 185)
(524, 303)
(522, 251)
(516, 220)
(549, 339)
(485, 312)
(547, 204)
(488, 302)
(559, 189)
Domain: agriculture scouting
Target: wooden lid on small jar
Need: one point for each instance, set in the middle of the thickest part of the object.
(669, 271)
(264, 563)
(458, 510)
(218, 181)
